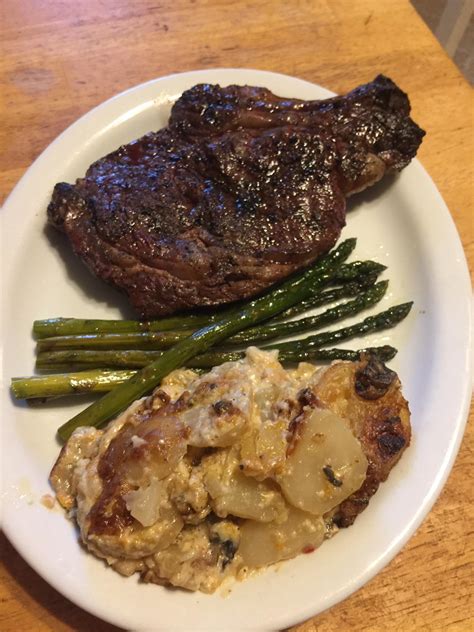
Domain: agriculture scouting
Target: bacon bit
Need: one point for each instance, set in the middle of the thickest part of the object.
(309, 549)
(161, 395)
(306, 397)
(295, 429)
(48, 501)
(225, 407)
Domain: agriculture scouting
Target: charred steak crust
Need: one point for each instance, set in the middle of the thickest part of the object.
(241, 189)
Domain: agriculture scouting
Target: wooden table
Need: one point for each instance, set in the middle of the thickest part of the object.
(60, 59)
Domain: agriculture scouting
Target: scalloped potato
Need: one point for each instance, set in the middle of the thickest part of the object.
(262, 544)
(325, 466)
(213, 476)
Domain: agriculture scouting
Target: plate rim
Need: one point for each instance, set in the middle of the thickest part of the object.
(437, 484)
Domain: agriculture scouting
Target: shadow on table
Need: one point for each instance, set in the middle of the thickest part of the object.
(32, 587)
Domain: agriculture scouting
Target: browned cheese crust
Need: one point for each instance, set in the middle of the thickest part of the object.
(369, 395)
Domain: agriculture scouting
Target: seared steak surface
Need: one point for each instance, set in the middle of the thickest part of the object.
(241, 189)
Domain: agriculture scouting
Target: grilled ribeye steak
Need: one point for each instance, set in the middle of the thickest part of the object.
(241, 189)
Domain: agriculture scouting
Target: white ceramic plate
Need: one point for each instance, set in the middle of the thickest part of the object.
(404, 224)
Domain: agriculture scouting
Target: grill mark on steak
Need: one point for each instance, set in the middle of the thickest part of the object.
(240, 190)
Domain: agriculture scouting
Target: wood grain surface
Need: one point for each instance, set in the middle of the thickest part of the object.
(60, 58)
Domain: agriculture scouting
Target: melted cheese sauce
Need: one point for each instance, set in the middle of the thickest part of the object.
(202, 480)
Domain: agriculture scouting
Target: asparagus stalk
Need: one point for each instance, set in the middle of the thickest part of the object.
(145, 340)
(64, 360)
(339, 312)
(92, 381)
(355, 272)
(280, 299)
(77, 359)
(267, 331)
(104, 380)
(384, 320)
(348, 290)
(58, 327)
(134, 359)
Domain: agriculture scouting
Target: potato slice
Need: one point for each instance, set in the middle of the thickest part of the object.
(326, 465)
(145, 503)
(234, 493)
(153, 449)
(266, 543)
(263, 449)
